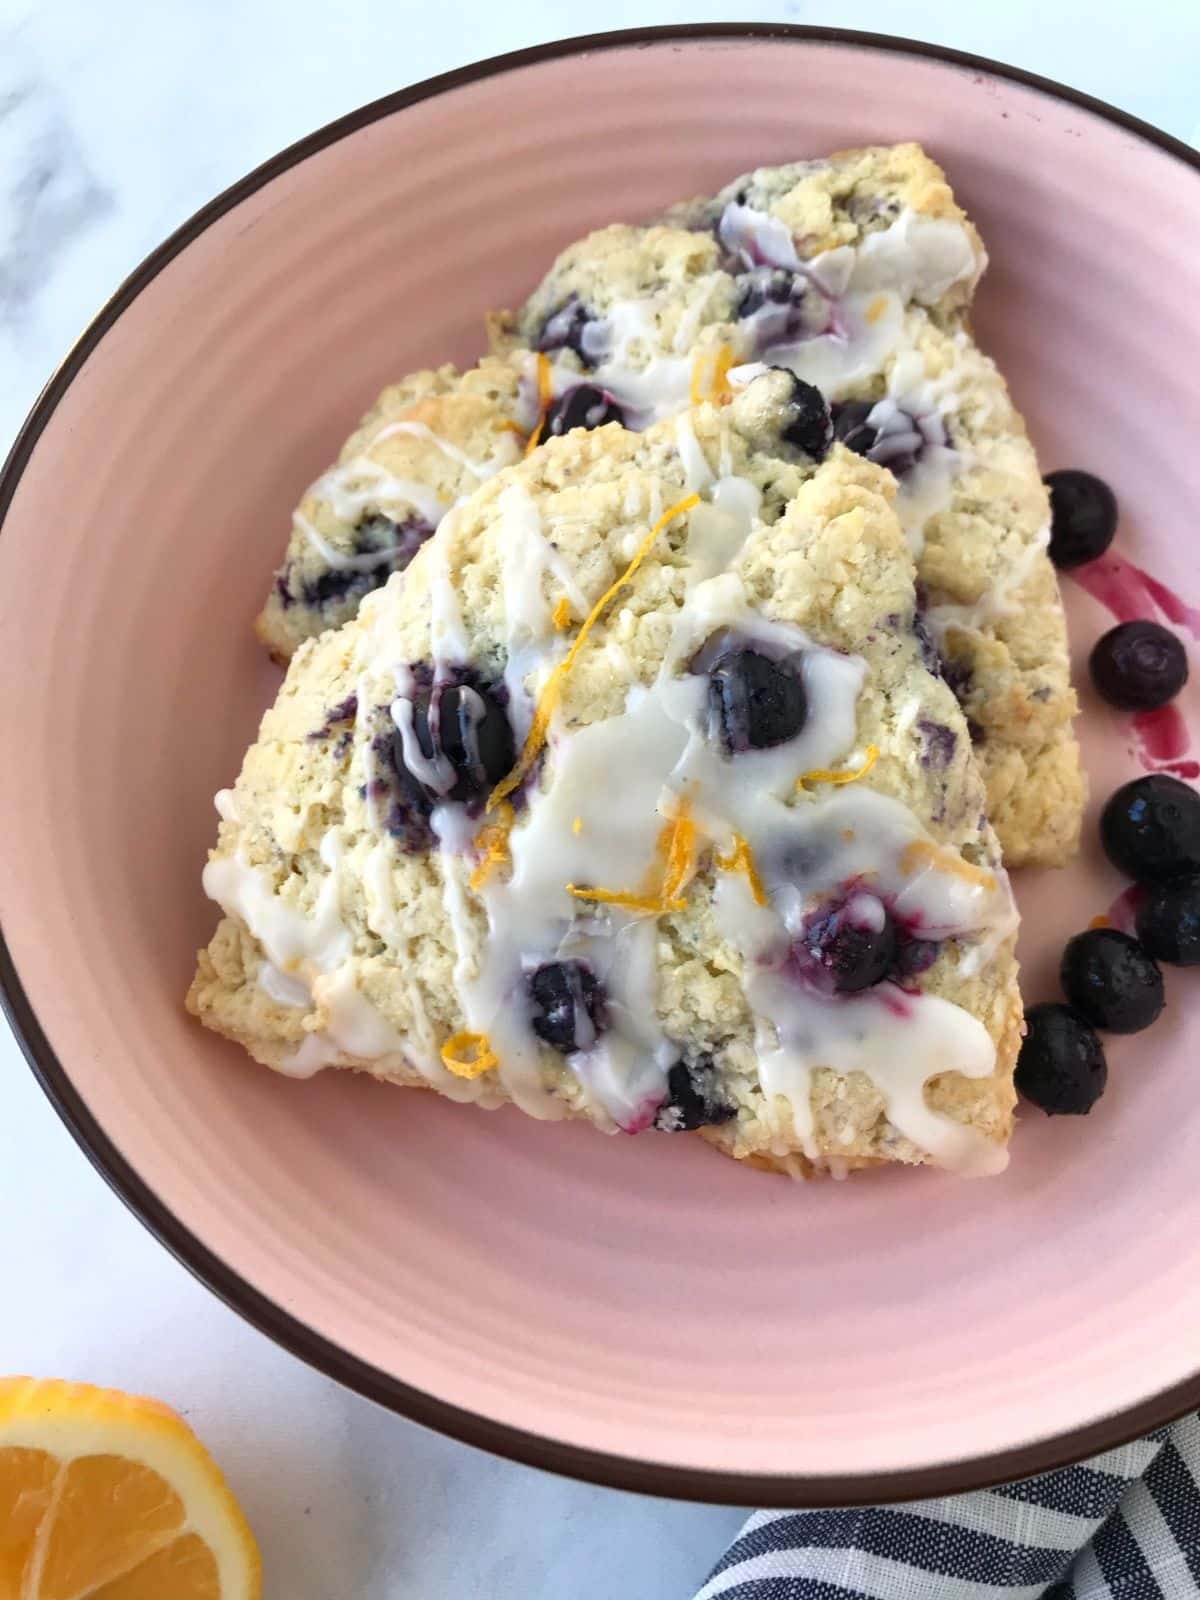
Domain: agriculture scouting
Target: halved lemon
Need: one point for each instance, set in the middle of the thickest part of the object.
(104, 1496)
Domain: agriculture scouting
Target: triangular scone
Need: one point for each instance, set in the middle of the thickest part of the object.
(856, 273)
(736, 874)
(427, 441)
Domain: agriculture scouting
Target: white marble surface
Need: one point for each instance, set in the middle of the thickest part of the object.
(116, 121)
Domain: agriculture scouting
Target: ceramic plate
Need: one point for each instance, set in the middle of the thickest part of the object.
(635, 1311)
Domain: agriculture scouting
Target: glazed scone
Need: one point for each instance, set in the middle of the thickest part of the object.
(855, 273)
(697, 840)
(426, 442)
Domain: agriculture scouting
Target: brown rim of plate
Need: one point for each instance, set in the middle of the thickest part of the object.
(553, 1455)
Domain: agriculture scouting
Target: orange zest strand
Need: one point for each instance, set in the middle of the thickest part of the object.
(536, 736)
(676, 847)
(492, 842)
(561, 615)
(710, 372)
(924, 852)
(469, 1055)
(825, 775)
(545, 389)
(741, 859)
(652, 903)
(677, 842)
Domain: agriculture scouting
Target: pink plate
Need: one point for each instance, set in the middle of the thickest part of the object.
(635, 1311)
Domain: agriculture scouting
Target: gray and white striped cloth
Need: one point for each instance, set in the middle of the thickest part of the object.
(1123, 1526)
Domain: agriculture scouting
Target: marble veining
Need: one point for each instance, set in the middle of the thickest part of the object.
(48, 194)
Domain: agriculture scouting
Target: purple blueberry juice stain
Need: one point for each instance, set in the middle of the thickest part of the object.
(939, 743)
(395, 543)
(337, 716)
(914, 956)
(402, 807)
(958, 677)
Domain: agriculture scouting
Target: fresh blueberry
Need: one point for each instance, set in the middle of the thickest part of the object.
(570, 1008)
(584, 406)
(852, 942)
(692, 1101)
(1061, 1067)
(1168, 921)
(755, 702)
(1111, 981)
(809, 426)
(563, 328)
(1139, 666)
(1083, 517)
(1150, 828)
(465, 724)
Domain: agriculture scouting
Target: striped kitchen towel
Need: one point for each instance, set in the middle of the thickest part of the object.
(1123, 1526)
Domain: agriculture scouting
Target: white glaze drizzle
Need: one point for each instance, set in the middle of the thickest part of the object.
(448, 635)
(377, 487)
(282, 988)
(531, 917)
(529, 563)
(298, 943)
(585, 830)
(309, 962)
(1000, 601)
(507, 448)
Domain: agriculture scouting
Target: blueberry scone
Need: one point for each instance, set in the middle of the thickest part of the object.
(426, 442)
(637, 798)
(856, 274)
